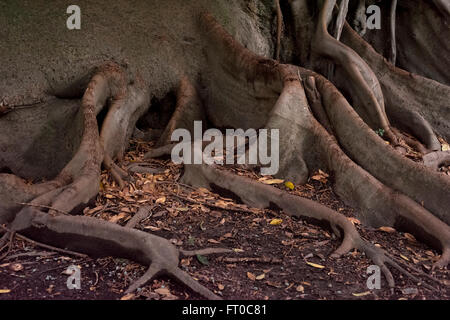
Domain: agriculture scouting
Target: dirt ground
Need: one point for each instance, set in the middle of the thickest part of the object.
(276, 257)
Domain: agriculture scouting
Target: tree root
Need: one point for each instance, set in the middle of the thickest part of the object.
(365, 87)
(407, 95)
(279, 29)
(142, 213)
(306, 140)
(188, 109)
(101, 238)
(258, 195)
(434, 160)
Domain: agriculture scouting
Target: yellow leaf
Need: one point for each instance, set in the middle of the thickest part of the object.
(238, 250)
(289, 185)
(445, 147)
(362, 294)
(404, 257)
(160, 200)
(5, 291)
(261, 276)
(315, 265)
(273, 181)
(276, 222)
(102, 187)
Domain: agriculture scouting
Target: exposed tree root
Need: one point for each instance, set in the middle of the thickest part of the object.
(365, 87)
(78, 183)
(407, 95)
(101, 238)
(259, 195)
(188, 109)
(437, 159)
(318, 128)
(301, 135)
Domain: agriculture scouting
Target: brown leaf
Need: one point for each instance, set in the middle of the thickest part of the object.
(387, 229)
(354, 220)
(16, 267)
(116, 218)
(163, 291)
(160, 200)
(129, 296)
(251, 276)
(410, 237)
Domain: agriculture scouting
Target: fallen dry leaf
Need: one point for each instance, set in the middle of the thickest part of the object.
(160, 200)
(362, 294)
(276, 222)
(251, 276)
(300, 289)
(4, 291)
(387, 229)
(116, 218)
(261, 276)
(354, 220)
(273, 181)
(410, 237)
(163, 291)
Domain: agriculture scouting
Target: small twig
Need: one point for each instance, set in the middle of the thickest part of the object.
(213, 206)
(207, 251)
(30, 254)
(260, 260)
(12, 234)
(45, 246)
